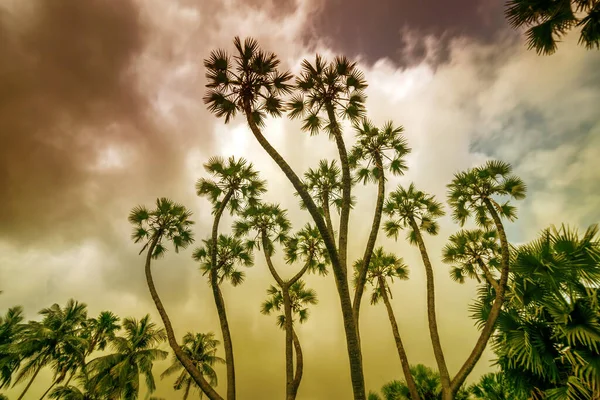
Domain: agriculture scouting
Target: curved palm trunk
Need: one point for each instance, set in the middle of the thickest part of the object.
(352, 343)
(488, 328)
(299, 364)
(49, 389)
(327, 214)
(362, 275)
(35, 374)
(410, 381)
(431, 315)
(220, 302)
(181, 356)
(488, 275)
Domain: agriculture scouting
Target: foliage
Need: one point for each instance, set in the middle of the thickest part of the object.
(300, 297)
(383, 267)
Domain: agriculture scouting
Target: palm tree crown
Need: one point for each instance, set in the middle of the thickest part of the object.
(269, 221)
(383, 266)
(11, 328)
(168, 220)
(231, 252)
(324, 184)
(307, 246)
(300, 297)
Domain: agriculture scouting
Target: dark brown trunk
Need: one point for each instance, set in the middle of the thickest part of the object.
(289, 350)
(362, 275)
(299, 364)
(35, 374)
(353, 346)
(431, 313)
(220, 302)
(488, 328)
(181, 356)
(410, 381)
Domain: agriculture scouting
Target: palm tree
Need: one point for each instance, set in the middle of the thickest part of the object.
(253, 85)
(11, 328)
(235, 184)
(549, 20)
(474, 192)
(201, 348)
(474, 254)
(53, 341)
(383, 266)
(271, 225)
(494, 386)
(72, 392)
(414, 210)
(231, 252)
(376, 151)
(548, 336)
(168, 221)
(117, 375)
(299, 298)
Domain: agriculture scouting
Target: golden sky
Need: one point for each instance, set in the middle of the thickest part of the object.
(101, 109)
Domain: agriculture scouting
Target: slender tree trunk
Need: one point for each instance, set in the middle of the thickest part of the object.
(488, 328)
(49, 389)
(327, 214)
(220, 302)
(35, 374)
(289, 350)
(431, 314)
(352, 343)
(488, 275)
(362, 275)
(187, 390)
(299, 364)
(189, 366)
(410, 380)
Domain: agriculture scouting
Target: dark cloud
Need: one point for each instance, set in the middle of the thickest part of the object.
(378, 29)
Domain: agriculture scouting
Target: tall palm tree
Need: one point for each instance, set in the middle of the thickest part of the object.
(549, 20)
(53, 341)
(474, 254)
(383, 267)
(476, 192)
(117, 375)
(11, 328)
(415, 211)
(234, 185)
(201, 348)
(271, 225)
(171, 222)
(299, 298)
(253, 85)
(376, 151)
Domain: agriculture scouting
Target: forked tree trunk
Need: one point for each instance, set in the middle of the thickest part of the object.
(189, 366)
(410, 381)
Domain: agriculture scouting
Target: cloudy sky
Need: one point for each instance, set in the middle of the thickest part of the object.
(101, 109)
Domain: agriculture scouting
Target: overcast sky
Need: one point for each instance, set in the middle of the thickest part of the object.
(101, 109)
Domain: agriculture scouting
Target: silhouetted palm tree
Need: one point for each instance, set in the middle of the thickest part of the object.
(11, 328)
(383, 266)
(201, 348)
(235, 184)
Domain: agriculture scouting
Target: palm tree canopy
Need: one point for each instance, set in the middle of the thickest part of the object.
(266, 219)
(466, 248)
(11, 328)
(386, 266)
(470, 190)
(494, 386)
(378, 149)
(102, 329)
(324, 184)
(251, 79)
(238, 178)
(404, 206)
(231, 252)
(549, 20)
(300, 297)
(308, 247)
(168, 220)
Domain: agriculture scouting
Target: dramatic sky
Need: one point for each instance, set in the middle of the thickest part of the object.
(101, 109)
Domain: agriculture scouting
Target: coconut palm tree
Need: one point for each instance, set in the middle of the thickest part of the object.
(476, 192)
(375, 152)
(494, 386)
(415, 211)
(54, 341)
(299, 298)
(201, 348)
(235, 184)
(118, 374)
(171, 222)
(11, 328)
(383, 267)
(549, 20)
(474, 254)
(252, 84)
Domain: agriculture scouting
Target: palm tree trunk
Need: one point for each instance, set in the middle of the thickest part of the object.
(327, 214)
(37, 371)
(220, 302)
(431, 314)
(50, 388)
(299, 364)
(340, 274)
(289, 351)
(187, 390)
(181, 356)
(488, 275)
(410, 380)
(490, 323)
(362, 275)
